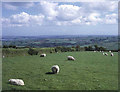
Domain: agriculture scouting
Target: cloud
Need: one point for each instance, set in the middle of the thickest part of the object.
(100, 6)
(91, 19)
(53, 11)
(23, 19)
(5, 21)
(91, 12)
(95, 18)
(16, 5)
(20, 18)
(111, 19)
(49, 9)
(67, 14)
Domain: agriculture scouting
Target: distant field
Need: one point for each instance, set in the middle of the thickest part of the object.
(109, 42)
(90, 71)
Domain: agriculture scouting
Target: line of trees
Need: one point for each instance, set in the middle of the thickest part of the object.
(32, 51)
(9, 46)
(65, 49)
(78, 48)
(68, 49)
(96, 48)
(16, 47)
(36, 51)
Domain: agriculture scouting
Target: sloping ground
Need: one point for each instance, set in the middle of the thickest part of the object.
(90, 71)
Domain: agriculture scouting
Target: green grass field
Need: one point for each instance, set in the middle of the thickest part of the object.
(90, 71)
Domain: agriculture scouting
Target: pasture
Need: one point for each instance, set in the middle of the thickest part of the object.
(90, 71)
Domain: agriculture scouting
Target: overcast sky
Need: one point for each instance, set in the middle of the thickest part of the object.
(59, 18)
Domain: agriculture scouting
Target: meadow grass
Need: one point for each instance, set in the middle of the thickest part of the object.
(90, 71)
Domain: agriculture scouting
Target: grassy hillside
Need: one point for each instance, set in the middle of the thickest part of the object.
(23, 51)
(90, 71)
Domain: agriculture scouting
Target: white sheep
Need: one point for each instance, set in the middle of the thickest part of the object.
(55, 69)
(43, 55)
(3, 56)
(103, 53)
(109, 51)
(16, 82)
(71, 58)
(112, 54)
(106, 54)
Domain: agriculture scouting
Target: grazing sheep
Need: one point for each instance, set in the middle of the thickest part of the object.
(43, 55)
(55, 69)
(94, 51)
(3, 56)
(109, 51)
(16, 82)
(71, 58)
(106, 54)
(112, 54)
(103, 53)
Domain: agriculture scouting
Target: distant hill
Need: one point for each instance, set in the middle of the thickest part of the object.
(110, 42)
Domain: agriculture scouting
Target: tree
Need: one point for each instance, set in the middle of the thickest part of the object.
(73, 46)
(96, 47)
(32, 52)
(5, 46)
(90, 48)
(56, 50)
(102, 48)
(77, 48)
(86, 48)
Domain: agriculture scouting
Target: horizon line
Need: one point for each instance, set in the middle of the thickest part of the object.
(59, 35)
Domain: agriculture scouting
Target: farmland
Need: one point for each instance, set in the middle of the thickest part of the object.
(90, 71)
(109, 42)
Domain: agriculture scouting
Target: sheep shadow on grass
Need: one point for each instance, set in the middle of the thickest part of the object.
(49, 73)
(11, 84)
